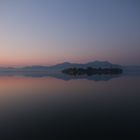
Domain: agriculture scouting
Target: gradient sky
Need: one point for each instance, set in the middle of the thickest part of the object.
(46, 32)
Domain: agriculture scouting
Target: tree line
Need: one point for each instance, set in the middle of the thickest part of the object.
(92, 71)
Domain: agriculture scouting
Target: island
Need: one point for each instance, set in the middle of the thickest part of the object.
(92, 71)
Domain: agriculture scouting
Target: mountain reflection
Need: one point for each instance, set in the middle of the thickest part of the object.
(59, 75)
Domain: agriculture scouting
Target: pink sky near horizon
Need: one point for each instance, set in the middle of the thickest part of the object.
(55, 31)
(27, 56)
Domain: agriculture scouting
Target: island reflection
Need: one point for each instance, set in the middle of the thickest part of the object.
(60, 75)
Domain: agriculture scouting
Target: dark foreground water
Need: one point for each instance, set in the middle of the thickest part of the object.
(47, 108)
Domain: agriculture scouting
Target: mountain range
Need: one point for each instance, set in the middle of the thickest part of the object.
(56, 71)
(66, 65)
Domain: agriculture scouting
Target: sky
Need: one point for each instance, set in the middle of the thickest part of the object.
(47, 32)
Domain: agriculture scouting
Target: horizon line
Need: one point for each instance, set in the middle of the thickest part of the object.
(62, 62)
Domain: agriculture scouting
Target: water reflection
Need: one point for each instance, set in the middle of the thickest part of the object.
(59, 75)
(55, 108)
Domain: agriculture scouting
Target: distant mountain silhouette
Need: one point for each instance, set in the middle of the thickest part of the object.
(56, 70)
(95, 64)
(65, 65)
(59, 67)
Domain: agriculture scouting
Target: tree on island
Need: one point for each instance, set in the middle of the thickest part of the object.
(92, 71)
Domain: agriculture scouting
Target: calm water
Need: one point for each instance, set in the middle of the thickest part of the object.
(70, 109)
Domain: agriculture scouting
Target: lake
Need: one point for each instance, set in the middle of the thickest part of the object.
(54, 108)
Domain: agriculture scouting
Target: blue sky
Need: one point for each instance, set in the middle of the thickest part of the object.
(52, 31)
